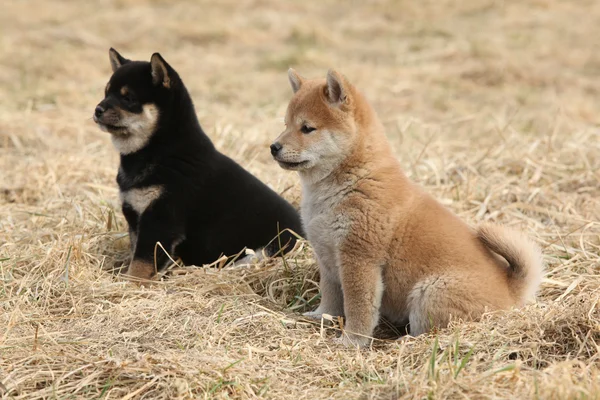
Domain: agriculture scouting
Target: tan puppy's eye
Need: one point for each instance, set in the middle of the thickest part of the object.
(307, 129)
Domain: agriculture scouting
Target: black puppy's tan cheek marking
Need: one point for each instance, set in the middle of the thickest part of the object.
(140, 128)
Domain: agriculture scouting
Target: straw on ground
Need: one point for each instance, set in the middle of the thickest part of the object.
(491, 106)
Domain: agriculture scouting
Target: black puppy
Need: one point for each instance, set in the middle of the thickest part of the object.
(175, 187)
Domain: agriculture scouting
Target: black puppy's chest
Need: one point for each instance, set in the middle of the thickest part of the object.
(134, 174)
(137, 191)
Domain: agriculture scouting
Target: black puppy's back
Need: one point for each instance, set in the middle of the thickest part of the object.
(239, 211)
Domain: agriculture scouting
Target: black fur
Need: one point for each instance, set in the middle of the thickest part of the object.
(209, 206)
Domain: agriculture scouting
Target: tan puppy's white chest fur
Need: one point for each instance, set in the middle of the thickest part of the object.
(325, 229)
(384, 246)
(319, 214)
(322, 222)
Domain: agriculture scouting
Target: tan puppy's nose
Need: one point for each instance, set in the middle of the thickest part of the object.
(275, 147)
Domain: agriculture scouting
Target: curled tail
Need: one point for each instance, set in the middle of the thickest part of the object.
(523, 255)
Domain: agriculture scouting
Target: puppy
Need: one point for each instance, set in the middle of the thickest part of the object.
(384, 246)
(175, 187)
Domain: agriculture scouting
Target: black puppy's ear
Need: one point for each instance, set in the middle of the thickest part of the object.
(160, 71)
(116, 60)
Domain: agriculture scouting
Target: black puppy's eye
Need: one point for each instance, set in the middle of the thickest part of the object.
(307, 129)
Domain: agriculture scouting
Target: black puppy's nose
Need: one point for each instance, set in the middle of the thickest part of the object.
(275, 147)
(99, 111)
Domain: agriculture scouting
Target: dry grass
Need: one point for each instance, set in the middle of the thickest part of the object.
(492, 106)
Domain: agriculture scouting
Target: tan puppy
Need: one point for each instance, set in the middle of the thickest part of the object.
(384, 246)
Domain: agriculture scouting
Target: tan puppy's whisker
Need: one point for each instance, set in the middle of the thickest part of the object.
(384, 246)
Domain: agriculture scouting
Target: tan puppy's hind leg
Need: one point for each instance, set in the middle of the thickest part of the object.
(362, 285)
(435, 300)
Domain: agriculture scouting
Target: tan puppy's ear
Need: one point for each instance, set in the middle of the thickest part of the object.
(160, 71)
(295, 80)
(116, 60)
(337, 88)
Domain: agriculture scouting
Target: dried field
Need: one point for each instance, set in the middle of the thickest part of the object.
(493, 106)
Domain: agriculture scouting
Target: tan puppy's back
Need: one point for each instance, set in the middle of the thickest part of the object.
(384, 246)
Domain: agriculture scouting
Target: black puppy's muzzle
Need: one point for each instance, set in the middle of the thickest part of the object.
(106, 114)
(99, 111)
(275, 148)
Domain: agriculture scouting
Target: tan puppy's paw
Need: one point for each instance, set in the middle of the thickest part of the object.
(316, 314)
(313, 315)
(319, 316)
(140, 272)
(405, 339)
(352, 340)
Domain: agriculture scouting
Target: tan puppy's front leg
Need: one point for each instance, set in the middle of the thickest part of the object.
(331, 297)
(331, 288)
(362, 285)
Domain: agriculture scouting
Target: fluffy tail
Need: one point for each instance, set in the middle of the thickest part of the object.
(523, 255)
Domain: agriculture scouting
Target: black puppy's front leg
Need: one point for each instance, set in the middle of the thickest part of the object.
(132, 220)
(155, 225)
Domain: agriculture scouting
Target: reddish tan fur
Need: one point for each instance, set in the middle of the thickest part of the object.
(384, 246)
(140, 271)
